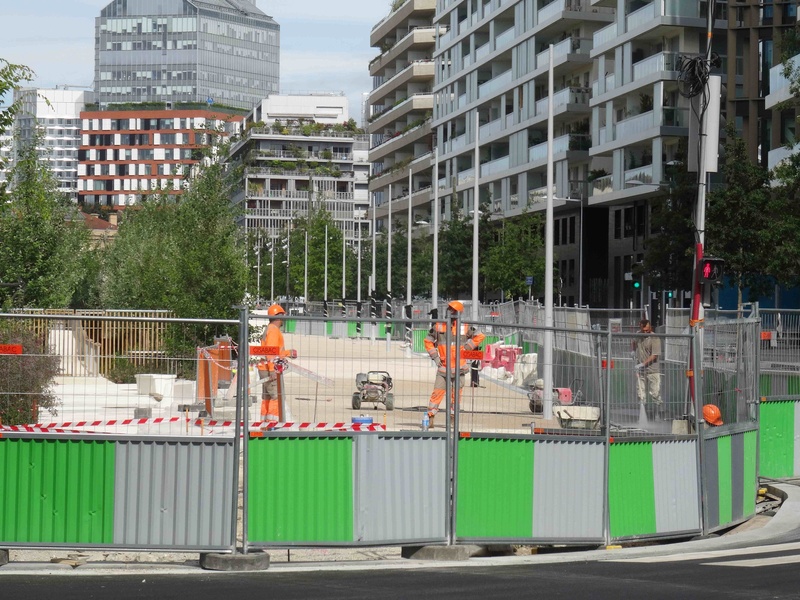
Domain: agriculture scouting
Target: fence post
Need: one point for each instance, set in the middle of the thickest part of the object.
(605, 406)
(242, 418)
(696, 366)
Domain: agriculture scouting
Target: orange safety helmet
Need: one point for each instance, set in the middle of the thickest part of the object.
(456, 306)
(712, 415)
(275, 310)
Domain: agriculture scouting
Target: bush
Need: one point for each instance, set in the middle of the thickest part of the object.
(26, 380)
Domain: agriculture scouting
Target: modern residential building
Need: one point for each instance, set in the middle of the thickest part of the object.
(224, 52)
(492, 91)
(755, 31)
(129, 153)
(54, 115)
(295, 151)
(784, 115)
(400, 109)
(6, 156)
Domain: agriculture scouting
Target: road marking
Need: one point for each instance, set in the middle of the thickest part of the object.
(711, 554)
(758, 562)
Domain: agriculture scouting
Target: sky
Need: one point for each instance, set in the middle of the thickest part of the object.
(324, 43)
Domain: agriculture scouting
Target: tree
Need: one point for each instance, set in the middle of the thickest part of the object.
(11, 76)
(516, 254)
(740, 221)
(26, 379)
(186, 256)
(455, 256)
(668, 259)
(43, 239)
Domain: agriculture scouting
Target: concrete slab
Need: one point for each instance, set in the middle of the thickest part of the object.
(255, 561)
(438, 553)
(3, 557)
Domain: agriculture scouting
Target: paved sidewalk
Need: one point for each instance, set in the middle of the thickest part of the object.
(784, 526)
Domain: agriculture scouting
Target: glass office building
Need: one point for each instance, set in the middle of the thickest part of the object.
(220, 51)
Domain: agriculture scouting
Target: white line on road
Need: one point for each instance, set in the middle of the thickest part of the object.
(758, 562)
(712, 554)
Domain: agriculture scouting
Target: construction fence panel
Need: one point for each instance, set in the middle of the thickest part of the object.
(729, 475)
(779, 437)
(345, 489)
(780, 339)
(527, 489)
(166, 376)
(653, 488)
(94, 491)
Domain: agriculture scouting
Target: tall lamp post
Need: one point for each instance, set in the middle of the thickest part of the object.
(548, 261)
(408, 244)
(325, 287)
(435, 286)
(475, 218)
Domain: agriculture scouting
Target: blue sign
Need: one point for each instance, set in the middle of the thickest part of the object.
(210, 100)
(529, 280)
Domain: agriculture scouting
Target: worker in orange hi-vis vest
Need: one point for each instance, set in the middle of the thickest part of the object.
(436, 346)
(273, 338)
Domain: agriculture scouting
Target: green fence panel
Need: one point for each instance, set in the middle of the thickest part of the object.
(631, 489)
(495, 488)
(725, 473)
(291, 326)
(300, 489)
(329, 328)
(776, 451)
(750, 476)
(489, 339)
(793, 385)
(57, 491)
(352, 329)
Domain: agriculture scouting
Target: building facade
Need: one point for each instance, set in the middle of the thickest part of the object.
(296, 153)
(128, 154)
(400, 110)
(54, 116)
(224, 52)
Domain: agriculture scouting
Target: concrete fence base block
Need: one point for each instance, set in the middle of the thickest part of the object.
(255, 561)
(3, 557)
(142, 413)
(437, 552)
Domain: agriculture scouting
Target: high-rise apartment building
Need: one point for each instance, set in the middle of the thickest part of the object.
(295, 152)
(53, 115)
(400, 111)
(217, 51)
(785, 114)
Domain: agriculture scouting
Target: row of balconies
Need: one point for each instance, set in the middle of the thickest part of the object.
(321, 155)
(257, 193)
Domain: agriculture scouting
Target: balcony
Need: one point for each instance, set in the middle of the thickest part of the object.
(551, 10)
(561, 49)
(571, 141)
(494, 84)
(563, 97)
(604, 35)
(664, 61)
(640, 175)
(683, 8)
(675, 117)
(641, 16)
(603, 185)
(634, 125)
(494, 167)
(505, 38)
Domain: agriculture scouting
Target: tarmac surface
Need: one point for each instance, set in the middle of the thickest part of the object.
(763, 529)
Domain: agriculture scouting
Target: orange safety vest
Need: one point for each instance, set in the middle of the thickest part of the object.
(273, 337)
(436, 342)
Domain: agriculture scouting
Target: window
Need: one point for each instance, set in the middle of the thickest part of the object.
(617, 224)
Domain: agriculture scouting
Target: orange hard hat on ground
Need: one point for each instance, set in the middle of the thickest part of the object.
(712, 415)
(275, 309)
(456, 306)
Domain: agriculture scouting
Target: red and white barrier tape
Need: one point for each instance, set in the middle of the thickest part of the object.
(260, 425)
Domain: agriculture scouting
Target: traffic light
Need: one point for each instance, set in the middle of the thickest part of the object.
(711, 275)
(637, 285)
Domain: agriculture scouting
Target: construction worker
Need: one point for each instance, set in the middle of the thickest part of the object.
(436, 346)
(648, 372)
(712, 415)
(267, 369)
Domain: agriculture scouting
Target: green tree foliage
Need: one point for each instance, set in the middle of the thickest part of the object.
(783, 234)
(43, 239)
(186, 256)
(515, 254)
(11, 78)
(455, 256)
(668, 259)
(740, 221)
(26, 380)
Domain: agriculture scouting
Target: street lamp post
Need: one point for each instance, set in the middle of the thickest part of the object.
(325, 286)
(358, 275)
(548, 261)
(408, 244)
(475, 218)
(344, 266)
(305, 271)
(272, 269)
(435, 286)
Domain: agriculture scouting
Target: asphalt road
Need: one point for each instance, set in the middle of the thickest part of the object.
(762, 572)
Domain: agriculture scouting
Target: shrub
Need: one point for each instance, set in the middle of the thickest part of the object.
(26, 380)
